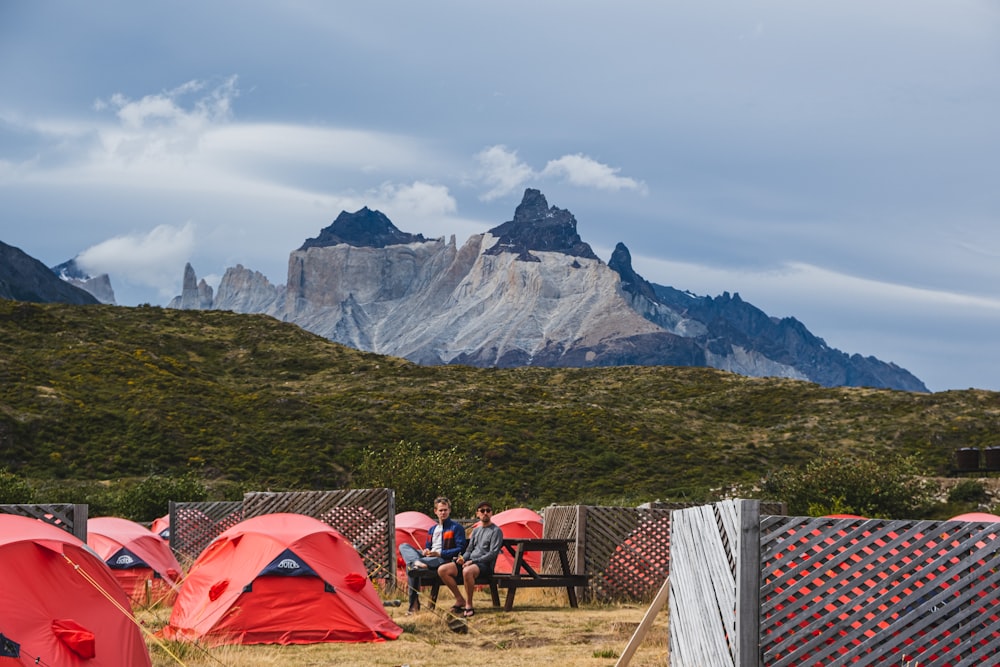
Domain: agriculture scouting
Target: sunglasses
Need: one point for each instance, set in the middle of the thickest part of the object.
(486, 510)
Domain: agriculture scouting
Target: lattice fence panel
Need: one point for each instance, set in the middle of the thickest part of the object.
(560, 522)
(703, 575)
(70, 517)
(366, 517)
(871, 592)
(193, 526)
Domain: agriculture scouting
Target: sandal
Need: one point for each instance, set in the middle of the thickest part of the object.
(457, 609)
(468, 612)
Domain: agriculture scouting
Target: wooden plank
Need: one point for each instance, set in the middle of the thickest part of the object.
(647, 622)
(748, 585)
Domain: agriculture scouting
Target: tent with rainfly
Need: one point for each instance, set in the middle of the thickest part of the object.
(161, 526)
(279, 579)
(411, 528)
(59, 603)
(139, 558)
(519, 522)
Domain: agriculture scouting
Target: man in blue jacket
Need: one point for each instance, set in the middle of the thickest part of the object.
(445, 541)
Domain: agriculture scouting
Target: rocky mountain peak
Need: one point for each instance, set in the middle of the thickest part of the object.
(632, 282)
(536, 226)
(364, 228)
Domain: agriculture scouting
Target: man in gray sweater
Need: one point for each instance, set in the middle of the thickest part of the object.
(479, 557)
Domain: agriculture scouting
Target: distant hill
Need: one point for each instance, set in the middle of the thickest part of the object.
(24, 278)
(102, 392)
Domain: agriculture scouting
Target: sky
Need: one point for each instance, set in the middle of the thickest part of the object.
(829, 160)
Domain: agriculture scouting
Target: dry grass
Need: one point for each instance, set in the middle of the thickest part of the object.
(541, 630)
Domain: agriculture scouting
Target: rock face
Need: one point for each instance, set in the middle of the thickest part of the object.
(527, 292)
(195, 295)
(24, 278)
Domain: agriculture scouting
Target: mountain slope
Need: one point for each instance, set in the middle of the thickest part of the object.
(102, 392)
(24, 278)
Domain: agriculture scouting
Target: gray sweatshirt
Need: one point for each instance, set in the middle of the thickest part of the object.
(484, 545)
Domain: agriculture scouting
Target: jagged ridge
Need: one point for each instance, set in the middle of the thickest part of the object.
(528, 292)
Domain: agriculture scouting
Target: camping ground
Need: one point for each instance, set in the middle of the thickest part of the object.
(541, 630)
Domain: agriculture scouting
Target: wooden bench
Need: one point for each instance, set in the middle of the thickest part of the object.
(425, 577)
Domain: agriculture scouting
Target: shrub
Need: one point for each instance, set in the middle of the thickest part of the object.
(14, 489)
(151, 497)
(968, 491)
(843, 484)
(418, 476)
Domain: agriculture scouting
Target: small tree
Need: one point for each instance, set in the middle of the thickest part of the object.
(418, 476)
(847, 485)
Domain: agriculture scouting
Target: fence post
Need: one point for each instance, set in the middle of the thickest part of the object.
(81, 513)
(748, 586)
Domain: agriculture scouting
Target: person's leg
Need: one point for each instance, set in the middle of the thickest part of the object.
(448, 574)
(469, 574)
(410, 556)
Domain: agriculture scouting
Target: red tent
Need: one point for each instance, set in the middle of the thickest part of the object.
(161, 526)
(279, 579)
(979, 517)
(139, 558)
(518, 522)
(59, 603)
(411, 528)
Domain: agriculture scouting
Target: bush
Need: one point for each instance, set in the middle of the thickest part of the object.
(418, 476)
(151, 497)
(968, 491)
(14, 490)
(888, 489)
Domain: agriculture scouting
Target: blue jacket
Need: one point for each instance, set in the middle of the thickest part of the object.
(453, 539)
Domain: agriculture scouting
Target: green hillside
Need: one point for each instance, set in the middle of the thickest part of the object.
(102, 392)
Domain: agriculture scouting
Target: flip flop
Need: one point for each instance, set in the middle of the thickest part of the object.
(468, 612)
(457, 609)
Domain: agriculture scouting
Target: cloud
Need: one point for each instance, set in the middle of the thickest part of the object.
(161, 125)
(417, 200)
(501, 169)
(149, 260)
(503, 172)
(585, 172)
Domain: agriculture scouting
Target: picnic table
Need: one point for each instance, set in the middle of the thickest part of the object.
(522, 575)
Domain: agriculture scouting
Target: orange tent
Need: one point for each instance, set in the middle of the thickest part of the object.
(519, 522)
(979, 517)
(411, 528)
(60, 604)
(279, 579)
(139, 558)
(161, 526)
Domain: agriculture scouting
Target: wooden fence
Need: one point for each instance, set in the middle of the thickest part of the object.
(625, 550)
(70, 517)
(366, 517)
(751, 590)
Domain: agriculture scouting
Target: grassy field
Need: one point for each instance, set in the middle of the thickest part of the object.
(541, 630)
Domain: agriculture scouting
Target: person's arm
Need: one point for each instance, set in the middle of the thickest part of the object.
(458, 533)
(496, 544)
